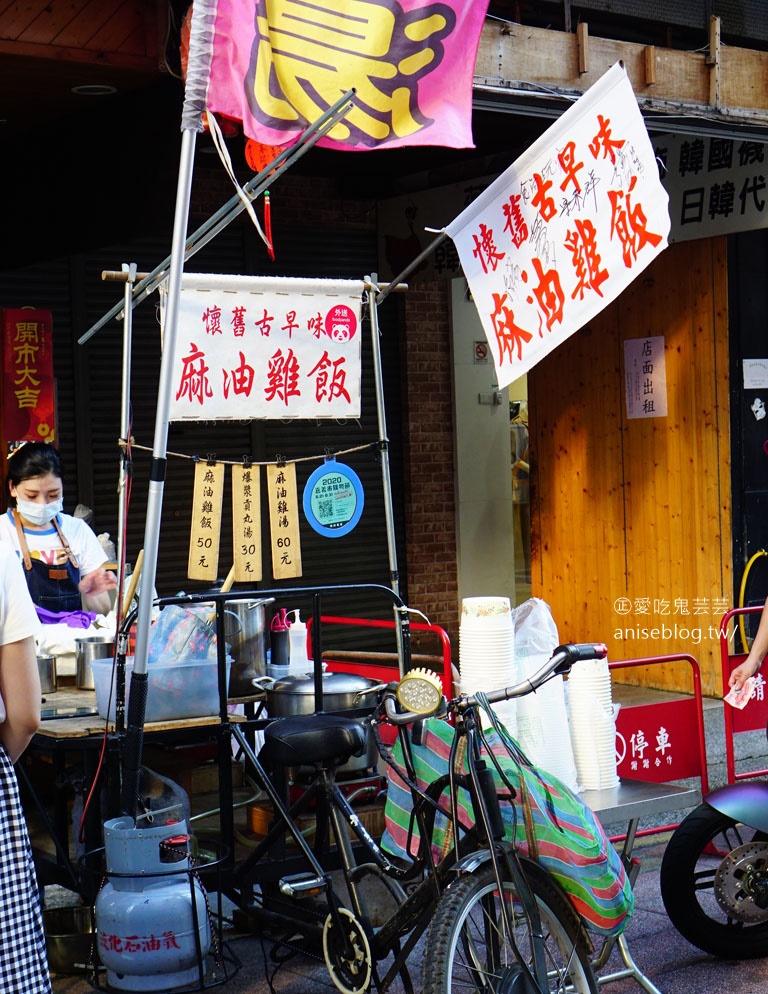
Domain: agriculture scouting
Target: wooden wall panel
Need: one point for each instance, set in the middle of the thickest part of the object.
(631, 517)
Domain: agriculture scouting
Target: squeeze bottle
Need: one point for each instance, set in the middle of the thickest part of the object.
(278, 639)
(300, 662)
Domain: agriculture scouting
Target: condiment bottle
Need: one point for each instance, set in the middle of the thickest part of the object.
(299, 660)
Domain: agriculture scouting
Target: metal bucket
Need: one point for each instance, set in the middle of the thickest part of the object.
(246, 629)
(86, 650)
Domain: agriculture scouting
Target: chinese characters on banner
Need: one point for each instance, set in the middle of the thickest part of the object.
(246, 523)
(716, 186)
(284, 521)
(411, 63)
(28, 394)
(206, 521)
(248, 348)
(565, 228)
(645, 377)
(658, 742)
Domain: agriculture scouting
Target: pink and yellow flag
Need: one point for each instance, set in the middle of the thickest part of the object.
(278, 65)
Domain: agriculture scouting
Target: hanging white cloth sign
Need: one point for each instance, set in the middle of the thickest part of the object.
(565, 228)
(250, 347)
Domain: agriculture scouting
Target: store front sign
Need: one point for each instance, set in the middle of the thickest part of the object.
(716, 186)
(248, 347)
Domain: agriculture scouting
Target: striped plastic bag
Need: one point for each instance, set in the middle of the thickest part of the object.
(548, 822)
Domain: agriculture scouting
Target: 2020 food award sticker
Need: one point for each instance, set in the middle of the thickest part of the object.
(333, 499)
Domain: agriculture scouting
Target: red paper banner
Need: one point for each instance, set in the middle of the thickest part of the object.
(28, 405)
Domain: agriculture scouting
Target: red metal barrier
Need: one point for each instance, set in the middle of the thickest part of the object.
(663, 741)
(384, 666)
(755, 715)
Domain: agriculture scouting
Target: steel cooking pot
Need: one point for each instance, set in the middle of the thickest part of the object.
(245, 631)
(295, 694)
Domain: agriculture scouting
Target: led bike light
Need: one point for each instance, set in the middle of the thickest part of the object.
(420, 691)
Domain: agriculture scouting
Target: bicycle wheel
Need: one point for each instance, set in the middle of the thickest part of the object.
(468, 949)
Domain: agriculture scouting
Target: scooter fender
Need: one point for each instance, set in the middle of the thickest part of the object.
(746, 802)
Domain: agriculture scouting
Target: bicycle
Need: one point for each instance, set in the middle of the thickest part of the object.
(531, 942)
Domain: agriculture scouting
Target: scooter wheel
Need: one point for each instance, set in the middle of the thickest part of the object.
(714, 884)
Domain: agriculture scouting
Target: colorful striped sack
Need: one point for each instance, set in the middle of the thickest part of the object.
(556, 827)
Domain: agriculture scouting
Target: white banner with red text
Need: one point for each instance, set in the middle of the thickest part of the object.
(560, 233)
(269, 348)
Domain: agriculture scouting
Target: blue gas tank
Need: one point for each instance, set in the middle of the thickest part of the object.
(151, 915)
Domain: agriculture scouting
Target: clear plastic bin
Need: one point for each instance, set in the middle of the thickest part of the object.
(177, 690)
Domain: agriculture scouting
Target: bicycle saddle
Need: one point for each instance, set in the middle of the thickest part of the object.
(312, 739)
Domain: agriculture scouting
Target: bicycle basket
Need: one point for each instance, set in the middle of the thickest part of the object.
(557, 827)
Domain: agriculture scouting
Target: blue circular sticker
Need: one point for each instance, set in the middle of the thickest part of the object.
(333, 499)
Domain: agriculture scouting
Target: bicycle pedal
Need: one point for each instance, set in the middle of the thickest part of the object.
(301, 885)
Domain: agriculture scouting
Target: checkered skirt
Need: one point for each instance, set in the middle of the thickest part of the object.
(23, 962)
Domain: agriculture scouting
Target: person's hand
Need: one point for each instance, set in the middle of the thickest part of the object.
(97, 582)
(741, 673)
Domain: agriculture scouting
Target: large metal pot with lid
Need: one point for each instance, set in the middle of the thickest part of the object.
(295, 694)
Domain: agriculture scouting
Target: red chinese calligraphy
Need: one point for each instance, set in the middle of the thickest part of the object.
(586, 259)
(548, 293)
(194, 383)
(330, 379)
(264, 324)
(541, 200)
(515, 222)
(485, 249)
(291, 324)
(567, 160)
(508, 335)
(238, 322)
(628, 223)
(315, 325)
(603, 141)
(239, 379)
(283, 377)
(212, 320)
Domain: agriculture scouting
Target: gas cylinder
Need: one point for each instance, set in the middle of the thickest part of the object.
(151, 915)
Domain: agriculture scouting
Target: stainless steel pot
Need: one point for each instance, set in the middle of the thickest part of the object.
(294, 695)
(245, 631)
(86, 650)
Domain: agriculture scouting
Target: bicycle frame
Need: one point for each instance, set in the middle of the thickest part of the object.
(410, 918)
(487, 813)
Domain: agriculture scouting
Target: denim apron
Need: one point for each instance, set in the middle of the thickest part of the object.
(53, 587)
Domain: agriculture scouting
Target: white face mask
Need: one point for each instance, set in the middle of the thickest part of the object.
(38, 514)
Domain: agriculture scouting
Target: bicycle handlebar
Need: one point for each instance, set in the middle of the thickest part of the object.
(559, 663)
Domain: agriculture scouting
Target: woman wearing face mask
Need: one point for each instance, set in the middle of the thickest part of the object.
(61, 555)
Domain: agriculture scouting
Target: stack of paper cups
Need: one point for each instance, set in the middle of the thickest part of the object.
(487, 652)
(593, 724)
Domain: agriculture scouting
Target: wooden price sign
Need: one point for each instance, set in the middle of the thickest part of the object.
(206, 521)
(284, 521)
(246, 523)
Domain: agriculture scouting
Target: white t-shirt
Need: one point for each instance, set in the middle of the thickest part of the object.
(18, 617)
(46, 545)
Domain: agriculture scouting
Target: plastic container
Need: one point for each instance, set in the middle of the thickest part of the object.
(299, 661)
(178, 690)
